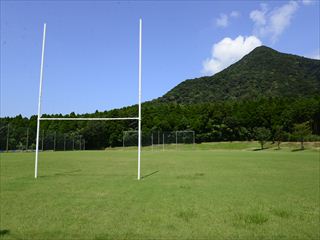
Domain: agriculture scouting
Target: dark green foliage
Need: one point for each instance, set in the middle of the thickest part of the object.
(279, 134)
(301, 130)
(264, 89)
(262, 73)
(262, 134)
(220, 121)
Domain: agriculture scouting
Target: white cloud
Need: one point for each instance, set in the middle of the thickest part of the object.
(308, 2)
(227, 52)
(235, 14)
(273, 23)
(314, 55)
(222, 21)
(259, 16)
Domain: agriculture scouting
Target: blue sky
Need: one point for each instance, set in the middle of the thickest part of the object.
(91, 58)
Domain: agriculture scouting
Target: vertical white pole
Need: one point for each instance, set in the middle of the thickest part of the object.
(176, 140)
(27, 143)
(39, 101)
(42, 140)
(152, 141)
(64, 142)
(139, 121)
(54, 141)
(193, 139)
(163, 142)
(123, 140)
(8, 137)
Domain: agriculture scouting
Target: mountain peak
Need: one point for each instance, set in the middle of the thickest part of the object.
(263, 48)
(264, 72)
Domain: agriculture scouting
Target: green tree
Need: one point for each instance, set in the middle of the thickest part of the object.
(262, 134)
(301, 130)
(278, 134)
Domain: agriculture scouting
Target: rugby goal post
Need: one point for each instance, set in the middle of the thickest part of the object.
(39, 118)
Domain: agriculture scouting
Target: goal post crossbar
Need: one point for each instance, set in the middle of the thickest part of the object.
(88, 119)
(39, 118)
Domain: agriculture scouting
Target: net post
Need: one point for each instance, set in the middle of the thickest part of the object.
(39, 100)
(152, 141)
(54, 140)
(8, 132)
(139, 120)
(193, 139)
(27, 142)
(176, 140)
(42, 139)
(64, 142)
(162, 141)
(123, 132)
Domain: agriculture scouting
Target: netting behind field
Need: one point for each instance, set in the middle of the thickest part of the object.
(25, 139)
(61, 141)
(158, 140)
(185, 137)
(130, 139)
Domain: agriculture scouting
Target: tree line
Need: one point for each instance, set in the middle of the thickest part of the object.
(275, 119)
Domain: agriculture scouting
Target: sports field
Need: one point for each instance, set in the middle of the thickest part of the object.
(200, 193)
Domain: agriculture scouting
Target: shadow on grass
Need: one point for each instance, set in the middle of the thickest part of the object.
(259, 149)
(70, 173)
(191, 176)
(298, 150)
(150, 174)
(4, 232)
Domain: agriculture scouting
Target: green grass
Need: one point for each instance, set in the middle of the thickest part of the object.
(195, 194)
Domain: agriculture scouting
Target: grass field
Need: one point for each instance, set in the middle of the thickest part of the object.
(186, 194)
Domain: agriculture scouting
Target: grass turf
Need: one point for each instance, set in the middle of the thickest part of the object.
(196, 194)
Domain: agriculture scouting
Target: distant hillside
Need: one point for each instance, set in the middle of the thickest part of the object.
(264, 72)
(292, 82)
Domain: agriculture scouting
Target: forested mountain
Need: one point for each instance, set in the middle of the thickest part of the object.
(264, 72)
(264, 89)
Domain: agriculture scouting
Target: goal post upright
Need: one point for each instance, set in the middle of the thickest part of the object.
(39, 118)
(139, 120)
(39, 100)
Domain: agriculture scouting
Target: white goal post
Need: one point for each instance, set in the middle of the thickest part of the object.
(39, 118)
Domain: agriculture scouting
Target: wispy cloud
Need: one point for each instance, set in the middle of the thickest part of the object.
(224, 19)
(272, 22)
(235, 14)
(314, 55)
(308, 2)
(227, 52)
